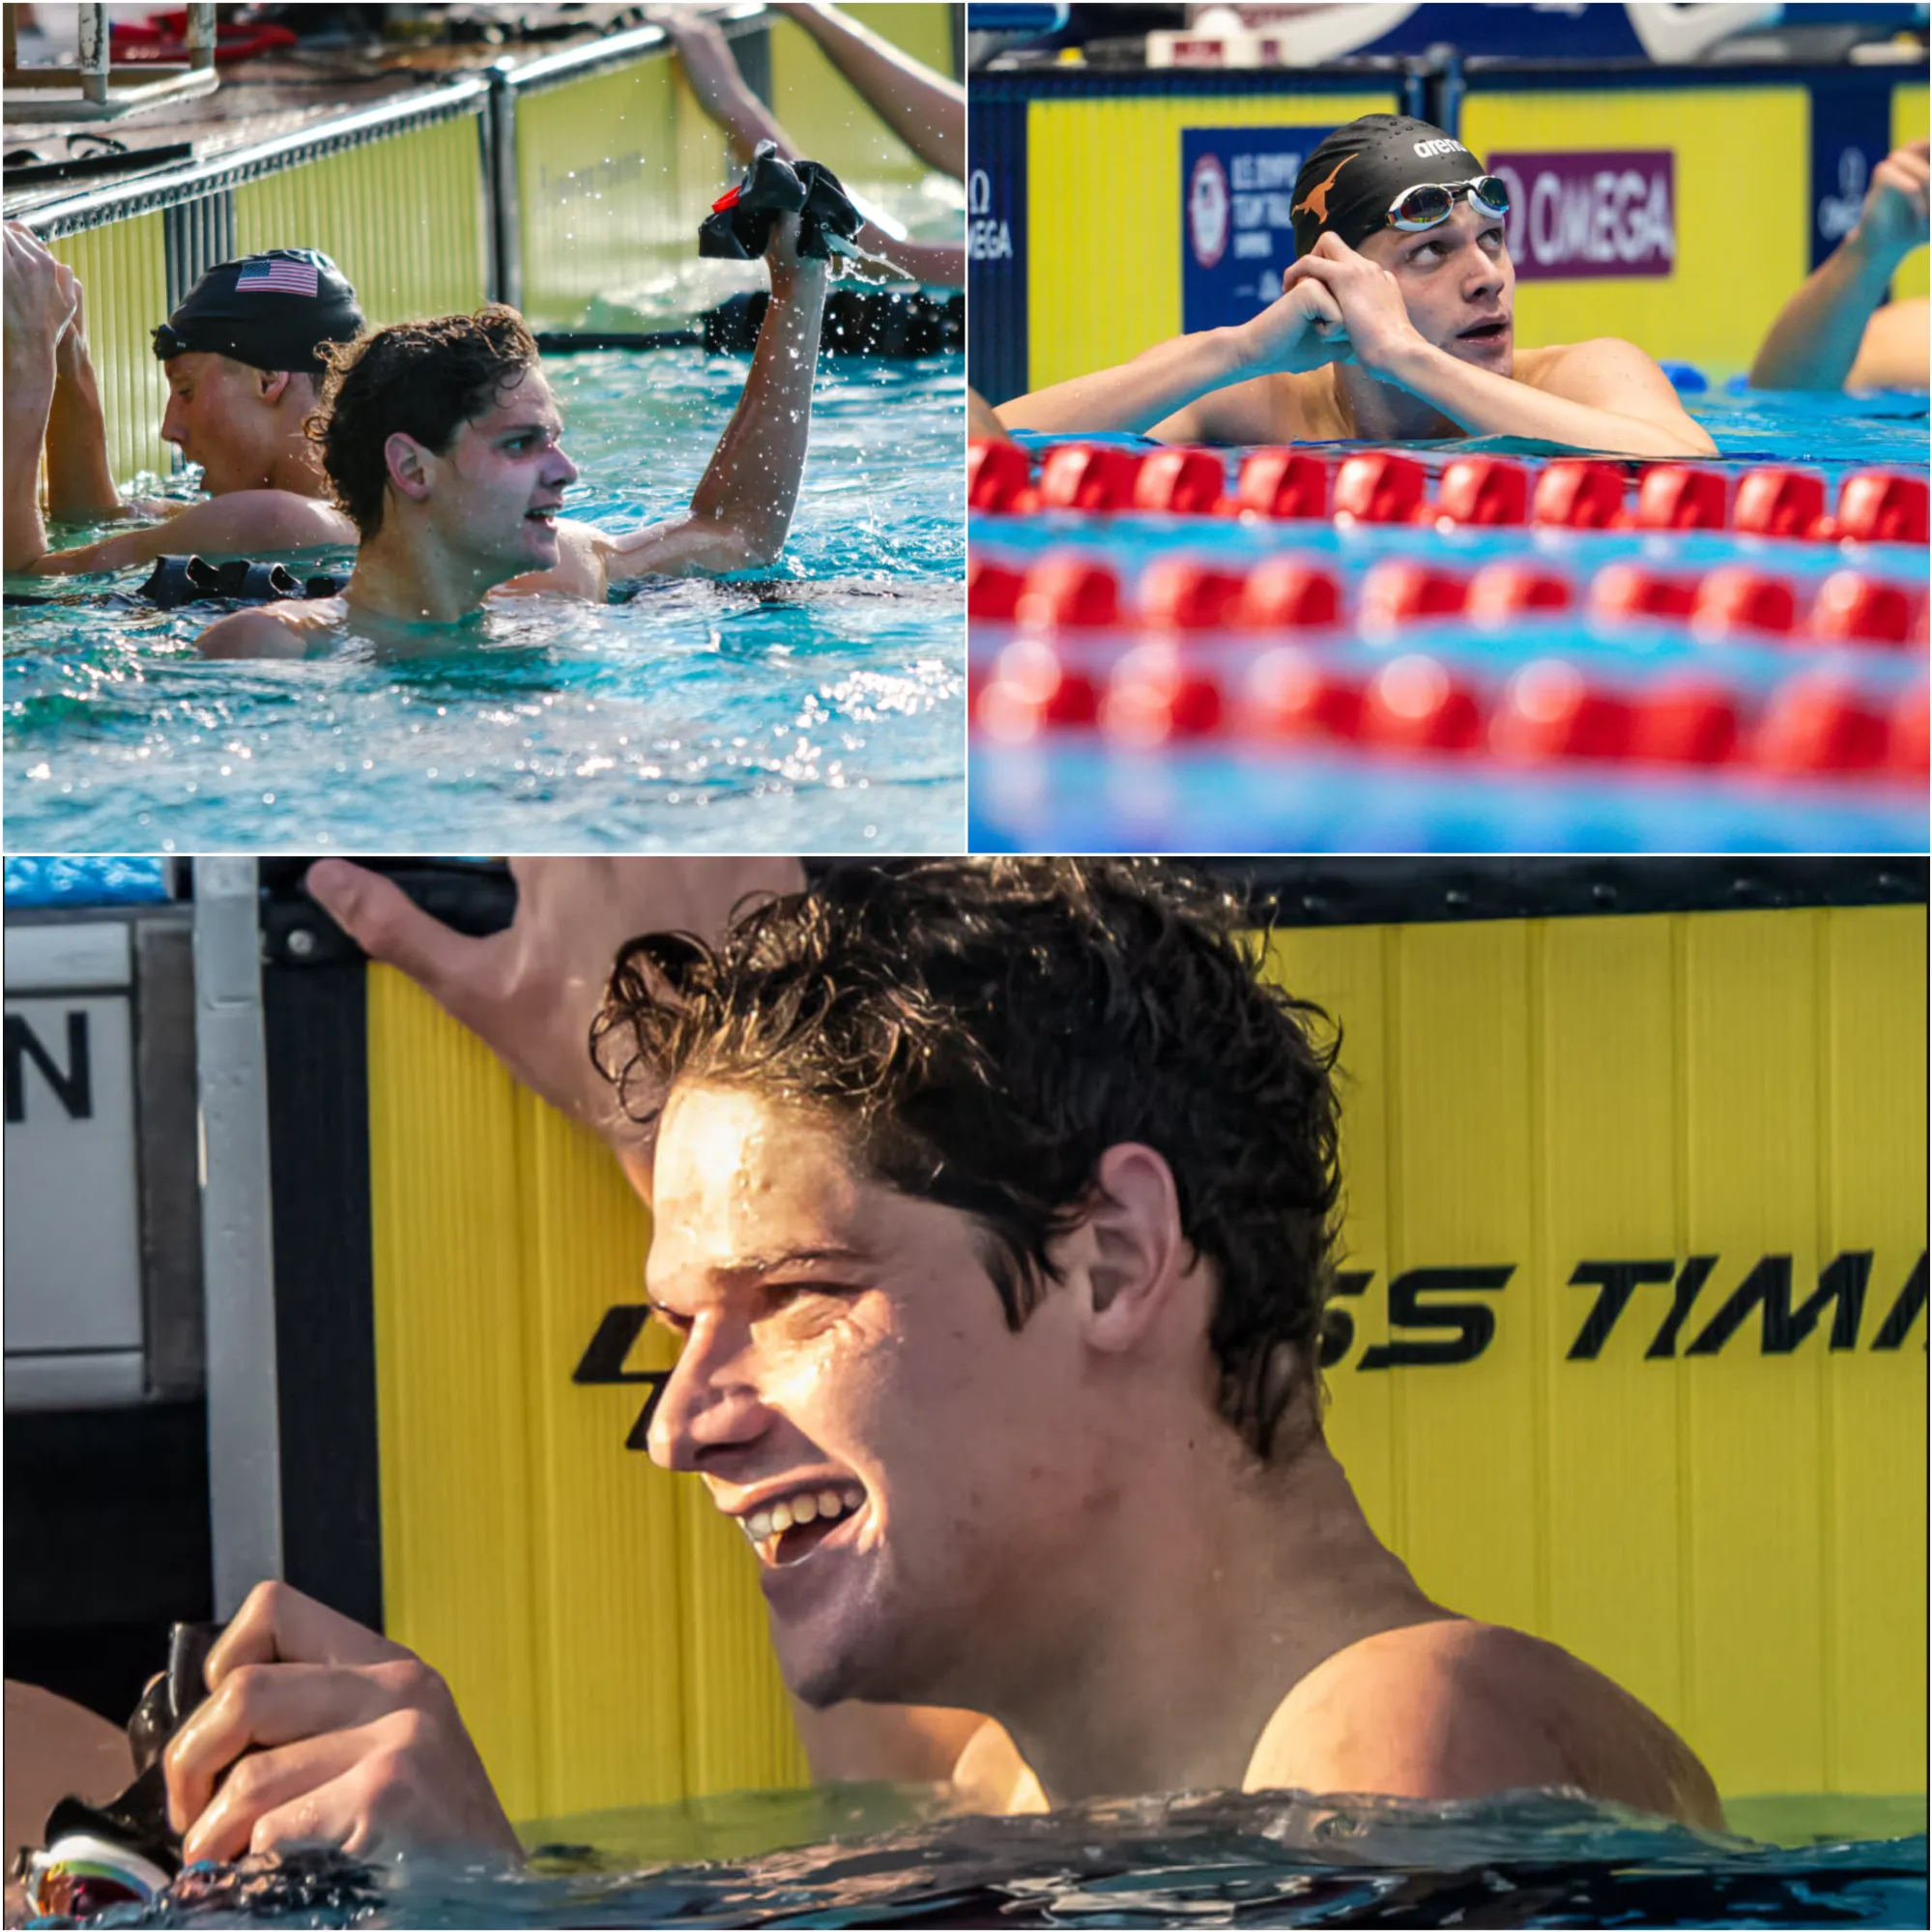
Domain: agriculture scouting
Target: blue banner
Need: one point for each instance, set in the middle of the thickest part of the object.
(1851, 133)
(1237, 233)
(997, 248)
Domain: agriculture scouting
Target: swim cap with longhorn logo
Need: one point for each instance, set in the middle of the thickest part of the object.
(1347, 185)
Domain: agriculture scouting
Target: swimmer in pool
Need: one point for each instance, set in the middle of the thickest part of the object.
(1396, 323)
(994, 1206)
(243, 358)
(1832, 333)
(442, 446)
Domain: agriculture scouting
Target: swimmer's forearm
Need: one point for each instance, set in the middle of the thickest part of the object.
(80, 483)
(751, 483)
(1133, 397)
(29, 398)
(1815, 339)
(1486, 404)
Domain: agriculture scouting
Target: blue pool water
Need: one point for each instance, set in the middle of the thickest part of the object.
(1216, 1860)
(1073, 790)
(820, 709)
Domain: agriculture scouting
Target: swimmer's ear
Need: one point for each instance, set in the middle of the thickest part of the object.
(1130, 1255)
(272, 384)
(409, 473)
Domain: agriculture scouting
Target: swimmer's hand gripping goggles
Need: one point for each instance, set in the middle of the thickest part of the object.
(122, 1852)
(738, 227)
(1429, 204)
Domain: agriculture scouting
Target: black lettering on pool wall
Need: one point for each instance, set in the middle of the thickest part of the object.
(1692, 1276)
(1615, 1281)
(604, 1360)
(1338, 1327)
(72, 1085)
(1768, 1286)
(1906, 1310)
(1473, 1322)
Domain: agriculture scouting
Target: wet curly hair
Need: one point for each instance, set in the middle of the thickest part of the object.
(418, 379)
(984, 1029)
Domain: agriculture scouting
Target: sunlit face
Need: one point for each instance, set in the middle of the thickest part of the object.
(912, 1472)
(1457, 284)
(500, 484)
(231, 418)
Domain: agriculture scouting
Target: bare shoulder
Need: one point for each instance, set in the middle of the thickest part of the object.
(992, 1777)
(248, 520)
(1458, 1709)
(1892, 354)
(287, 629)
(1608, 373)
(582, 568)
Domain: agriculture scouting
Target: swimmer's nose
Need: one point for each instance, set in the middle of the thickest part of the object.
(709, 1404)
(173, 429)
(562, 471)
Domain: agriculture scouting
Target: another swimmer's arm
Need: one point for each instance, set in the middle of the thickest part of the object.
(741, 508)
(923, 108)
(236, 525)
(29, 396)
(81, 481)
(1815, 340)
(1171, 390)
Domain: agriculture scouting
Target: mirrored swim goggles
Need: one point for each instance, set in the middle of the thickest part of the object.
(1430, 203)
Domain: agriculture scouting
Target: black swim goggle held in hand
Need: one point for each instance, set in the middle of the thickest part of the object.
(1430, 203)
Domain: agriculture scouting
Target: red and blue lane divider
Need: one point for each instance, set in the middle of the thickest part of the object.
(1768, 676)
(1384, 487)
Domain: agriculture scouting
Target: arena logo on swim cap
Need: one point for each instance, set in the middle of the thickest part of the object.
(1428, 148)
(1588, 216)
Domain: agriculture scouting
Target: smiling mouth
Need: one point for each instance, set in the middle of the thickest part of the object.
(790, 1530)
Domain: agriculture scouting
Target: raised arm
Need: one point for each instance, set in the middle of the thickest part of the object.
(80, 479)
(923, 108)
(1175, 388)
(1816, 339)
(741, 508)
(38, 301)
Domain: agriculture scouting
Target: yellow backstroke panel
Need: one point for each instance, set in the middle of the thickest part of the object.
(615, 172)
(1909, 123)
(1599, 1174)
(827, 117)
(1104, 215)
(1683, 1127)
(1735, 148)
(123, 270)
(401, 217)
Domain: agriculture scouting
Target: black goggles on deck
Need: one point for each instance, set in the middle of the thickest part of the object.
(1430, 203)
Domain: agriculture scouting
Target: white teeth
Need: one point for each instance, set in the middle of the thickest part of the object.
(808, 1507)
(780, 1518)
(829, 1502)
(759, 1526)
(804, 1508)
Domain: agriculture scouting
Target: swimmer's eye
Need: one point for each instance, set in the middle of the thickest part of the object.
(677, 1324)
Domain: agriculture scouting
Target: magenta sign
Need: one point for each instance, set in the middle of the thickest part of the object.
(1574, 216)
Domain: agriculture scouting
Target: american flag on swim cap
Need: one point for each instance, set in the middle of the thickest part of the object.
(277, 274)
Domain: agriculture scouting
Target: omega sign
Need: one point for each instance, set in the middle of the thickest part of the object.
(1576, 217)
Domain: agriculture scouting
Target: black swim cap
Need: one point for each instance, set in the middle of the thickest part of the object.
(1347, 185)
(272, 311)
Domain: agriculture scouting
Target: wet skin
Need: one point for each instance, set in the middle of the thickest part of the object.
(238, 423)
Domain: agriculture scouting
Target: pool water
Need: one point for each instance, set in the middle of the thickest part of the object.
(818, 709)
(1079, 789)
(1270, 1858)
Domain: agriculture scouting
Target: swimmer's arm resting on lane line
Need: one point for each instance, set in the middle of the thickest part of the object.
(1204, 387)
(240, 523)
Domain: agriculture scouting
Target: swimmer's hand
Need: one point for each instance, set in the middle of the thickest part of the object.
(1895, 220)
(529, 993)
(41, 299)
(1302, 330)
(1367, 298)
(352, 1740)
